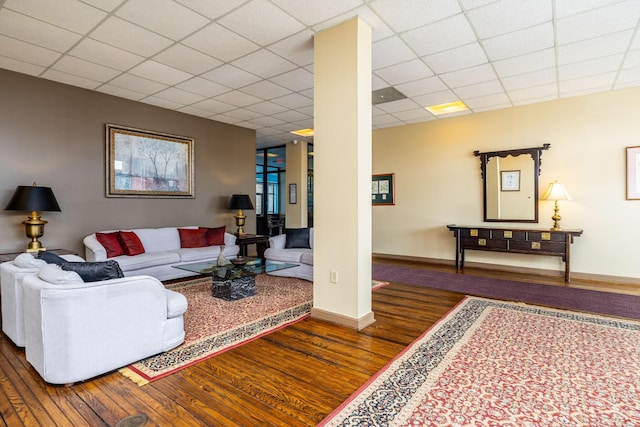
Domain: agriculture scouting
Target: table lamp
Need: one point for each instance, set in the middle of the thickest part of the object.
(556, 192)
(33, 199)
(240, 202)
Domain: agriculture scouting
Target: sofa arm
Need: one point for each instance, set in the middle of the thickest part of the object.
(176, 304)
(94, 251)
(277, 242)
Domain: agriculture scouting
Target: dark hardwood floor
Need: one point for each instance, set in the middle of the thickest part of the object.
(293, 377)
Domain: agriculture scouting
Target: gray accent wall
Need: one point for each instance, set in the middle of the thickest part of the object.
(54, 134)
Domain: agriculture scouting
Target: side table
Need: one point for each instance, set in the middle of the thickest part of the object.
(10, 256)
(260, 240)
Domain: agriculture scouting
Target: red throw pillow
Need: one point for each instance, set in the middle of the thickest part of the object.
(131, 244)
(193, 237)
(111, 243)
(215, 236)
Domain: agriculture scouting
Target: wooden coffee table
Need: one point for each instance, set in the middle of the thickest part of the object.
(233, 282)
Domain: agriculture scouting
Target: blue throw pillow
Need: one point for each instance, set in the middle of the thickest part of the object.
(51, 258)
(297, 238)
(95, 271)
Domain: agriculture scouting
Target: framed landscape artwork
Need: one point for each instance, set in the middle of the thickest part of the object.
(142, 163)
(383, 190)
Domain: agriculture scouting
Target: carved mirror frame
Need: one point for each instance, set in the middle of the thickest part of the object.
(485, 158)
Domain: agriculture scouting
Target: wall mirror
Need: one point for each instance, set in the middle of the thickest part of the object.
(510, 184)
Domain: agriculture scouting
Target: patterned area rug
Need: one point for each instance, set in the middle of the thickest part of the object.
(213, 325)
(491, 363)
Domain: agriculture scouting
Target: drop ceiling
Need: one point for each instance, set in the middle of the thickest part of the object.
(250, 62)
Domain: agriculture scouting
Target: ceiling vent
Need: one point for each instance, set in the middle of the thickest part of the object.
(387, 94)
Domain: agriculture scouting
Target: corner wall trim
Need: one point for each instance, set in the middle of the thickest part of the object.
(339, 319)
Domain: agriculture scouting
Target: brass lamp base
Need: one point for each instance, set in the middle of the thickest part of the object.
(240, 219)
(34, 228)
(556, 217)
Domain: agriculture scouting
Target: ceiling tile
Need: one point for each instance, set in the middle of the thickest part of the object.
(473, 4)
(414, 13)
(379, 29)
(405, 72)
(632, 60)
(230, 76)
(290, 116)
(179, 96)
(598, 22)
(578, 86)
(535, 78)
(548, 90)
(225, 119)
(313, 12)
(204, 87)
(124, 35)
(106, 5)
(436, 98)
(70, 14)
(186, 59)
(137, 84)
(214, 106)
(297, 48)
(384, 119)
(422, 86)
(243, 114)
(265, 89)
(295, 80)
(389, 52)
(293, 101)
(158, 72)
(521, 42)
(120, 92)
(456, 59)
(481, 73)
(27, 52)
(573, 7)
(267, 121)
(590, 67)
(86, 69)
(505, 16)
(221, 43)
(400, 105)
(491, 100)
(264, 64)
(159, 102)
(194, 111)
(20, 66)
(628, 77)
(526, 63)
(104, 54)
(238, 99)
(442, 35)
(70, 79)
(413, 114)
(266, 108)
(595, 47)
(480, 89)
(36, 32)
(164, 17)
(261, 22)
(212, 9)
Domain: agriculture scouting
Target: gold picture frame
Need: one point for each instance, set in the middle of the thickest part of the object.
(143, 163)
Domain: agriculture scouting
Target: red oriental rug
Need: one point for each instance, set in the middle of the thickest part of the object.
(490, 363)
(213, 325)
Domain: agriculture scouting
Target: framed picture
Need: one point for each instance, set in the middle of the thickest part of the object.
(383, 190)
(142, 163)
(293, 194)
(633, 173)
(510, 180)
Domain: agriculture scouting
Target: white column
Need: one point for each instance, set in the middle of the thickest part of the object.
(296, 174)
(342, 175)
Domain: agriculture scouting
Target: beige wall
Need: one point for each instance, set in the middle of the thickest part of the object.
(438, 180)
(54, 134)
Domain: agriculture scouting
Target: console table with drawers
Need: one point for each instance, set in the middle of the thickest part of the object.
(532, 241)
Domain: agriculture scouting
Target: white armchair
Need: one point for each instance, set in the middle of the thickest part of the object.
(11, 274)
(76, 331)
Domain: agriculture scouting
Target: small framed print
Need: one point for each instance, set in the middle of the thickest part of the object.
(293, 194)
(633, 173)
(510, 180)
(383, 190)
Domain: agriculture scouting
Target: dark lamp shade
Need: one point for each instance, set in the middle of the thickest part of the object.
(240, 201)
(33, 198)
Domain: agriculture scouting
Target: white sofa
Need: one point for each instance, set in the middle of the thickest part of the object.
(162, 252)
(302, 256)
(11, 276)
(75, 330)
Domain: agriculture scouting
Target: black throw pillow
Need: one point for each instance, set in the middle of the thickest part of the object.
(95, 271)
(51, 258)
(297, 238)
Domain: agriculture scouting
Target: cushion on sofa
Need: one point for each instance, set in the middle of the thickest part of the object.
(150, 259)
(52, 273)
(26, 260)
(297, 238)
(131, 244)
(193, 237)
(95, 271)
(51, 258)
(215, 235)
(111, 243)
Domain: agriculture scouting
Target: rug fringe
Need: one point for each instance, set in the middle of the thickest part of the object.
(128, 373)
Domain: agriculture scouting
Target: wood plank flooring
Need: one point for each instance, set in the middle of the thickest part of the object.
(293, 377)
